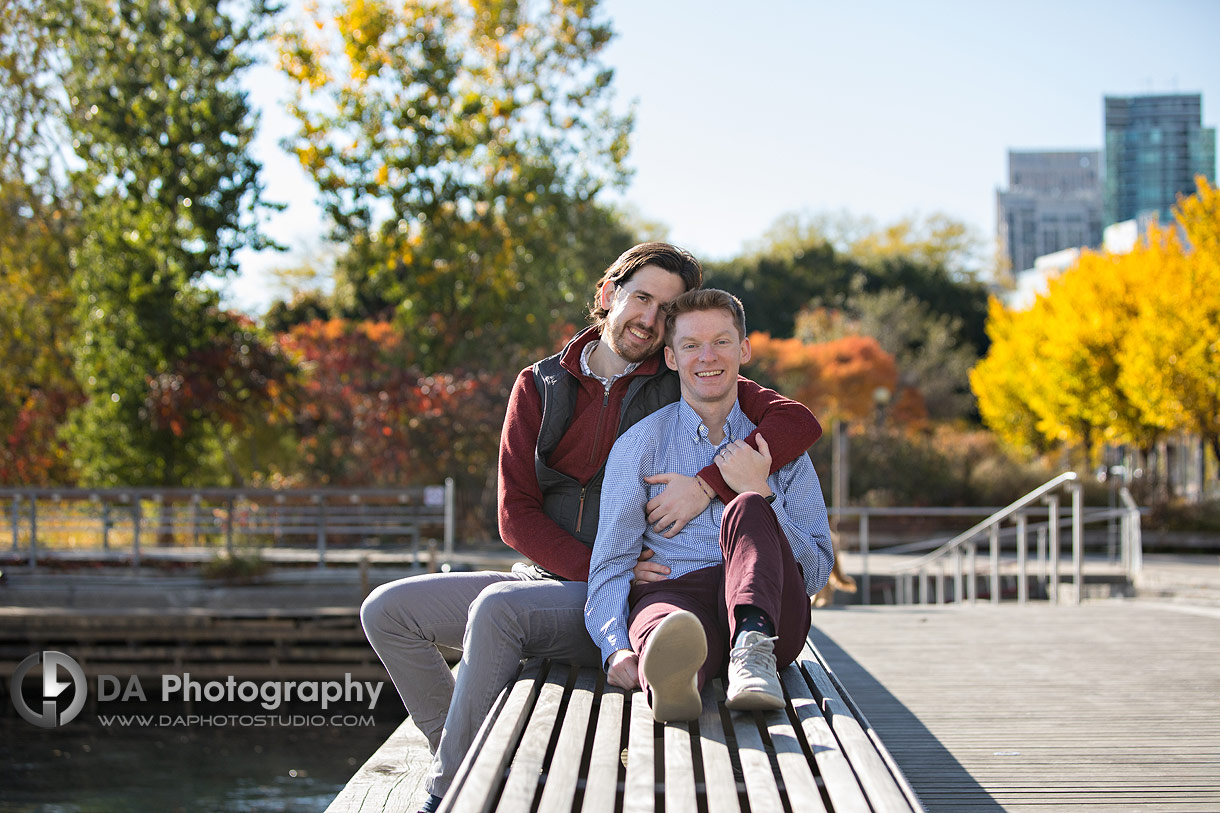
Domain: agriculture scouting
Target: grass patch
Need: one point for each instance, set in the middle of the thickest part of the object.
(237, 568)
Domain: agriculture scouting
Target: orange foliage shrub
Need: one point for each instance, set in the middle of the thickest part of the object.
(835, 379)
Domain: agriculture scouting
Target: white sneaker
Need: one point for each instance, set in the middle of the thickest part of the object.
(753, 678)
(676, 650)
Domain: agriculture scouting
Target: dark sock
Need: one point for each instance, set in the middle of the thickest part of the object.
(752, 619)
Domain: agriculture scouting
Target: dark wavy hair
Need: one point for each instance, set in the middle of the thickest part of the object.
(663, 255)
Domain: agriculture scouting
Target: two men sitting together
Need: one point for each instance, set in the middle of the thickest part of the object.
(674, 525)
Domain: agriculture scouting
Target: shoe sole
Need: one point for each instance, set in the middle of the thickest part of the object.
(676, 650)
(754, 701)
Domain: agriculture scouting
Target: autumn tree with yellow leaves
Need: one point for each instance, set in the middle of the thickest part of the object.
(1121, 348)
(1170, 357)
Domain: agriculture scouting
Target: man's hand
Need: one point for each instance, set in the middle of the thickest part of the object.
(745, 469)
(624, 670)
(646, 571)
(681, 501)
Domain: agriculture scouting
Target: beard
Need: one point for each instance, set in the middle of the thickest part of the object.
(628, 347)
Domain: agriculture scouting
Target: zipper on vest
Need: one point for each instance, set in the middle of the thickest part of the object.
(580, 512)
(597, 434)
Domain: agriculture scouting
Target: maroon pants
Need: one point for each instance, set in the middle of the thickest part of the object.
(759, 569)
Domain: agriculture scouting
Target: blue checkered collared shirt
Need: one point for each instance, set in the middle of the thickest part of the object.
(674, 439)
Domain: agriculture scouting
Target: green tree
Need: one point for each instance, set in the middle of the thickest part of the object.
(931, 356)
(161, 133)
(936, 240)
(827, 259)
(774, 288)
(459, 147)
(38, 223)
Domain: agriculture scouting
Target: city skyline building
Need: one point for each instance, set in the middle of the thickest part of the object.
(1155, 145)
(1053, 202)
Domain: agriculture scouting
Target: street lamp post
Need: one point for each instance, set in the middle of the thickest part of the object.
(838, 471)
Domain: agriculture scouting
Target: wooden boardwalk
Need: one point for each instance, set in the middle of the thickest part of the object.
(1111, 705)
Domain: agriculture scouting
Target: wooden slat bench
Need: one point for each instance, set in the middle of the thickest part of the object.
(559, 739)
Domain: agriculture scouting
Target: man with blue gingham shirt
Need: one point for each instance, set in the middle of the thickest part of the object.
(741, 573)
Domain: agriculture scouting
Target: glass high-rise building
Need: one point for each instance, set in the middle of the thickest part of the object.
(1053, 202)
(1155, 146)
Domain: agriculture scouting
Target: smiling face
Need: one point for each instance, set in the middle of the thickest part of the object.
(635, 324)
(707, 351)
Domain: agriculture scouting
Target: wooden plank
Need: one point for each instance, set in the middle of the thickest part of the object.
(562, 774)
(720, 786)
(478, 780)
(679, 769)
(760, 779)
(800, 787)
(601, 787)
(522, 784)
(838, 778)
(1108, 705)
(874, 737)
(639, 791)
(883, 792)
(392, 778)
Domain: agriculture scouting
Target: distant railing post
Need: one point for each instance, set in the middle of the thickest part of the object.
(278, 531)
(135, 530)
(16, 518)
(1077, 539)
(105, 524)
(1043, 571)
(972, 583)
(449, 517)
(229, 527)
(1022, 576)
(940, 583)
(321, 501)
(33, 529)
(1052, 520)
(994, 539)
(923, 585)
(865, 586)
(958, 595)
(1136, 542)
(158, 526)
(195, 499)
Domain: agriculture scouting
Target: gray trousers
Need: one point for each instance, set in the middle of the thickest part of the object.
(495, 619)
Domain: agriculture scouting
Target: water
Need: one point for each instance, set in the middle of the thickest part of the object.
(88, 767)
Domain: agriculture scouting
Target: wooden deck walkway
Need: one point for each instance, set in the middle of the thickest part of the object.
(1111, 705)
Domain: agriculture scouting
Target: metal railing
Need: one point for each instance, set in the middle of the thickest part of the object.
(118, 521)
(961, 552)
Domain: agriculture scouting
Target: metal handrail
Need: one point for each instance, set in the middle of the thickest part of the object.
(994, 519)
(1132, 535)
(1048, 532)
(301, 512)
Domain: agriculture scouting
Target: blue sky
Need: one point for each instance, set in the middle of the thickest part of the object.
(883, 109)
